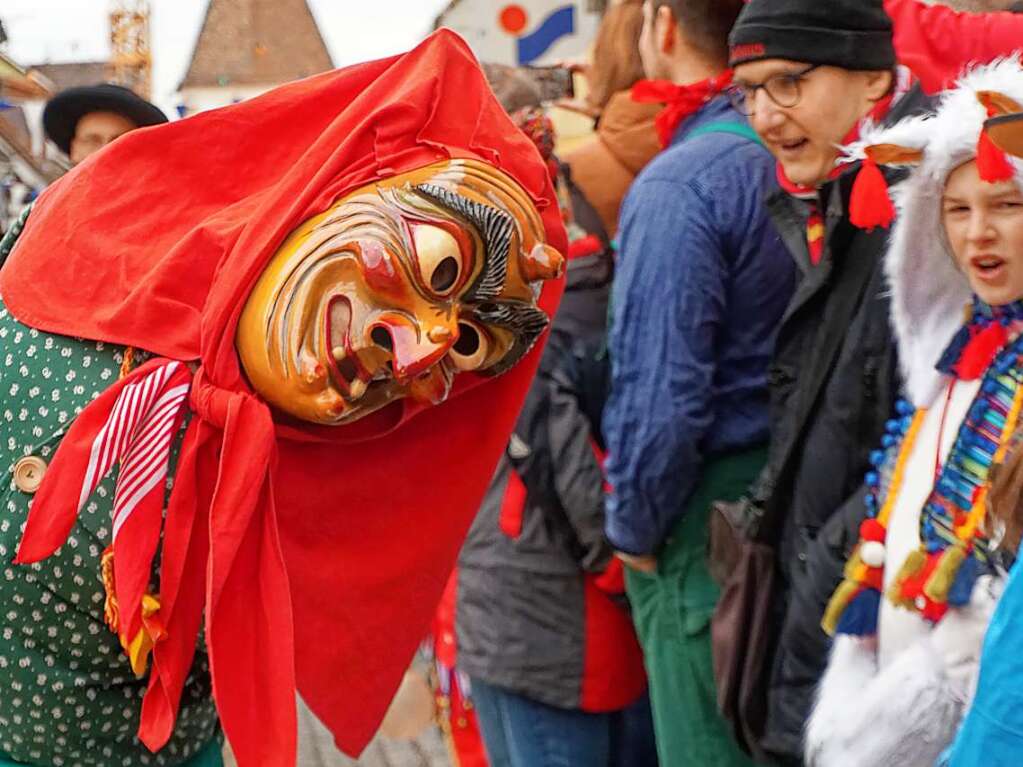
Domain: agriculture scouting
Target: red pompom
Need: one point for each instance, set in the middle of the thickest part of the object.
(871, 206)
(872, 530)
(980, 351)
(992, 164)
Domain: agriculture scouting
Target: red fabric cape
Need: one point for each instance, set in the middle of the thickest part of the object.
(321, 552)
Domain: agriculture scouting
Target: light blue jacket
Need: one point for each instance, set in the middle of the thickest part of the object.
(992, 734)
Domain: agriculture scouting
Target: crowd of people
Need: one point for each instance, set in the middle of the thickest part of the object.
(757, 494)
(812, 342)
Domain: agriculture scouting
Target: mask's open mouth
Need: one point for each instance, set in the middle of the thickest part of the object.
(350, 377)
(358, 384)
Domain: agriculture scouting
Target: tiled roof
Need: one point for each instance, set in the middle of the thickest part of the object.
(256, 42)
(64, 76)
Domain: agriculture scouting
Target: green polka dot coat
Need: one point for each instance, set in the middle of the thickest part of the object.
(67, 694)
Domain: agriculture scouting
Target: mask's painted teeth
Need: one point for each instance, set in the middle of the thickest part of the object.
(357, 388)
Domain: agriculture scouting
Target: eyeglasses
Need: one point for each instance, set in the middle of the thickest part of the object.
(785, 90)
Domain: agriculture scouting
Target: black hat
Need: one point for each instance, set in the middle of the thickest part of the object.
(63, 111)
(851, 34)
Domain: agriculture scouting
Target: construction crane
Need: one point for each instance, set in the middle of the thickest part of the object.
(131, 62)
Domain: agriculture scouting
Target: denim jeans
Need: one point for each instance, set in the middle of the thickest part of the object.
(522, 732)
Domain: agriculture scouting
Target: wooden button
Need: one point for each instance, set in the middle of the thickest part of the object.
(28, 473)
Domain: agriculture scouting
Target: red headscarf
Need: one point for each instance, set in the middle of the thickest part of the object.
(319, 553)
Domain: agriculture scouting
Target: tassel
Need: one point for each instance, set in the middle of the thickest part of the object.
(940, 581)
(934, 611)
(138, 649)
(980, 351)
(852, 566)
(915, 563)
(870, 205)
(992, 163)
(152, 631)
(844, 594)
(962, 588)
(860, 616)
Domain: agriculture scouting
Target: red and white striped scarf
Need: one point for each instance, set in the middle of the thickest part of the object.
(134, 423)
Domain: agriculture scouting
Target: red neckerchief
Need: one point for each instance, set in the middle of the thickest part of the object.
(681, 101)
(815, 230)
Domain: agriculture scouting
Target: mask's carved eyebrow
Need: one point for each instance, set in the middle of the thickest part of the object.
(494, 226)
(525, 322)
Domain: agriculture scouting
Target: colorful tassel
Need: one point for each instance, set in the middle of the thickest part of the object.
(939, 584)
(914, 565)
(992, 163)
(870, 205)
(852, 566)
(962, 588)
(840, 600)
(860, 616)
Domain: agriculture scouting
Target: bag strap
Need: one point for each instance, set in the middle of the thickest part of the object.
(742, 130)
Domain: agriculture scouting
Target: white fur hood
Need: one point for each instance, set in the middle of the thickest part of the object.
(929, 294)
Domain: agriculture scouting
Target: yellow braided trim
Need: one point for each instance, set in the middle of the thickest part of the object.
(129, 361)
(979, 510)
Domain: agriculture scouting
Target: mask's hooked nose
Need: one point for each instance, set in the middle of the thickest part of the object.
(414, 346)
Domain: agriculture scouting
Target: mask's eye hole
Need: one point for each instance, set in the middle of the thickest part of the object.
(472, 347)
(440, 259)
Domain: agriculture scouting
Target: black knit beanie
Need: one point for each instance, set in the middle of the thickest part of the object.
(851, 34)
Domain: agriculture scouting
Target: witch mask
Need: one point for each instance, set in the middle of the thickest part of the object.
(398, 287)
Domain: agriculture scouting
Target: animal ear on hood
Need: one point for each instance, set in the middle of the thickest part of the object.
(992, 163)
(893, 154)
(998, 104)
(1006, 131)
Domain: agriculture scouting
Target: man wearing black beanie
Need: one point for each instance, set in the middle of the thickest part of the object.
(809, 73)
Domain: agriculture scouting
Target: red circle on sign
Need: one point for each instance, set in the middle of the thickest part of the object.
(514, 19)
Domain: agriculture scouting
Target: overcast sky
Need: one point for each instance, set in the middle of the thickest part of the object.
(76, 30)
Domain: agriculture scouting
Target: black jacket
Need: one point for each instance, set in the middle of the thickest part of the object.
(834, 382)
(531, 568)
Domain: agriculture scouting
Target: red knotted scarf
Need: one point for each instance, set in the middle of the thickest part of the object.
(318, 553)
(680, 101)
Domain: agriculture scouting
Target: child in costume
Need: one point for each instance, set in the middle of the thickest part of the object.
(921, 585)
(992, 734)
(309, 274)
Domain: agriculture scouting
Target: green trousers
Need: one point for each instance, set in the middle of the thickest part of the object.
(672, 611)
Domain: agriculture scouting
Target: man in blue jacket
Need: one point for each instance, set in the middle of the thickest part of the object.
(703, 279)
